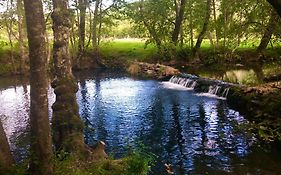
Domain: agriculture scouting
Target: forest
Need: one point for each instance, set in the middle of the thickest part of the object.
(140, 87)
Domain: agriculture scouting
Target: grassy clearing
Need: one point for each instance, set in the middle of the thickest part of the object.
(133, 49)
(130, 48)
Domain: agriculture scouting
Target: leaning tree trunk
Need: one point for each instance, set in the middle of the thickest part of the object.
(66, 123)
(204, 29)
(268, 32)
(180, 8)
(6, 158)
(41, 144)
(23, 54)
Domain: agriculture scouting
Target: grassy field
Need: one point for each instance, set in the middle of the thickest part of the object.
(134, 48)
(129, 48)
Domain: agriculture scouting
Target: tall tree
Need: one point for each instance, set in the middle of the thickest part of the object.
(204, 29)
(6, 158)
(41, 145)
(82, 25)
(180, 9)
(23, 54)
(95, 23)
(66, 123)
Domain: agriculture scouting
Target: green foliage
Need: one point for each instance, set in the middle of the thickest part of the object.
(135, 163)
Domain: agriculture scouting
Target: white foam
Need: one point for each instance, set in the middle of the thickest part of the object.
(169, 85)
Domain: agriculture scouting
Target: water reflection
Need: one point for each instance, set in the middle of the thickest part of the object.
(197, 135)
(251, 74)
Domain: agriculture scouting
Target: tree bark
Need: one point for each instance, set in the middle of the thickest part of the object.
(23, 54)
(180, 8)
(204, 29)
(66, 123)
(191, 24)
(41, 145)
(95, 23)
(82, 25)
(268, 32)
(276, 4)
(215, 21)
(6, 158)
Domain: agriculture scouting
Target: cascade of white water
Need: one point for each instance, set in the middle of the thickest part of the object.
(186, 82)
(225, 92)
(219, 89)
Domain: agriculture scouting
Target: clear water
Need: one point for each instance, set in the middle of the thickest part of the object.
(196, 134)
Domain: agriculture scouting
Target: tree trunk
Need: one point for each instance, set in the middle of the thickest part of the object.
(66, 123)
(23, 54)
(180, 8)
(100, 23)
(41, 145)
(215, 21)
(276, 4)
(267, 33)
(82, 25)
(204, 29)
(6, 158)
(191, 25)
(95, 23)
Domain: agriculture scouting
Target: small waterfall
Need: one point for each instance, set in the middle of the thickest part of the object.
(218, 90)
(203, 86)
(225, 92)
(184, 81)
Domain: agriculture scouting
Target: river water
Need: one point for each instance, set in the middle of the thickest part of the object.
(194, 133)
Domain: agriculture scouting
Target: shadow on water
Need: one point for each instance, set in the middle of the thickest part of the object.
(196, 134)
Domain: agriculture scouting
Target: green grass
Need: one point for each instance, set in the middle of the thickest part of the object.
(131, 49)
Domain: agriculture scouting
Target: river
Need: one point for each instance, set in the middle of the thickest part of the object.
(196, 134)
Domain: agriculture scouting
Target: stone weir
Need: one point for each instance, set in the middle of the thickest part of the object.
(203, 85)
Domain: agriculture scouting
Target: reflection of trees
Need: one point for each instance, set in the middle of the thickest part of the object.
(21, 137)
(179, 136)
(85, 113)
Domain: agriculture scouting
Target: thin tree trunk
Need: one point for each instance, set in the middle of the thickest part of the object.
(23, 54)
(6, 158)
(95, 23)
(215, 21)
(66, 123)
(268, 33)
(191, 25)
(82, 25)
(204, 29)
(225, 27)
(41, 144)
(180, 8)
(100, 23)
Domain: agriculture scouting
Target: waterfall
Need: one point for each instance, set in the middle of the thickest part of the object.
(206, 87)
(184, 81)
